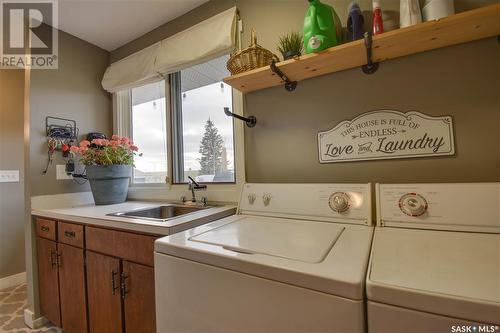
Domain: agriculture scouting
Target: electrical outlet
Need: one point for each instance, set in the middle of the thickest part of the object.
(61, 172)
(9, 176)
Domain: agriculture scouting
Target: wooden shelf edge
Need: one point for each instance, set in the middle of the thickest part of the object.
(456, 29)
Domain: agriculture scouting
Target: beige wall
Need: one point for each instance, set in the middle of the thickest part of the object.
(11, 158)
(462, 81)
(72, 91)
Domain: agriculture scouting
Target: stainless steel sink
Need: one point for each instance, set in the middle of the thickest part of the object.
(160, 213)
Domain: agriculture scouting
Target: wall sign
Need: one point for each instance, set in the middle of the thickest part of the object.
(387, 134)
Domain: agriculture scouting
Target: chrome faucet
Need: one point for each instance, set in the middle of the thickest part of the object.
(194, 186)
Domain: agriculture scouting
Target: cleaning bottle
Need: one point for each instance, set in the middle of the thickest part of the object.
(355, 22)
(378, 25)
(409, 13)
(322, 27)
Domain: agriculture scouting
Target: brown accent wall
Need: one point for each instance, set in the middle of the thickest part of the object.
(12, 158)
(462, 81)
(72, 91)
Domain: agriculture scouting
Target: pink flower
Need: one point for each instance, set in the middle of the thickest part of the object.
(116, 137)
(114, 143)
(134, 148)
(83, 150)
(84, 143)
(125, 140)
(74, 149)
(100, 142)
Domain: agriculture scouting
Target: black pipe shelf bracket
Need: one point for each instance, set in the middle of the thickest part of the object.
(370, 67)
(289, 85)
(250, 121)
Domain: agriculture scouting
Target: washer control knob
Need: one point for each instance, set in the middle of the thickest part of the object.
(413, 204)
(266, 199)
(251, 198)
(339, 202)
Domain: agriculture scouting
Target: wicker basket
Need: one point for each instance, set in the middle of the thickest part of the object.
(252, 57)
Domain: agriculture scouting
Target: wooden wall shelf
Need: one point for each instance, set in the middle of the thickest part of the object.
(460, 28)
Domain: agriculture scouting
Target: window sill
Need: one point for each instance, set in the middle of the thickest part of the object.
(228, 193)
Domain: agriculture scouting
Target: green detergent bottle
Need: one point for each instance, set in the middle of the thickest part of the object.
(322, 27)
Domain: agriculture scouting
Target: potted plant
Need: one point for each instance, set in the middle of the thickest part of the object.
(108, 165)
(291, 45)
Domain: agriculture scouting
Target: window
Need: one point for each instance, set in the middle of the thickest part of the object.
(149, 124)
(202, 136)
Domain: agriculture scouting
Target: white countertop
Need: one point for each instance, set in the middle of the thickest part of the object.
(97, 215)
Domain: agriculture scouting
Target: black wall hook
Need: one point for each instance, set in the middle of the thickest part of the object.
(370, 67)
(289, 85)
(250, 121)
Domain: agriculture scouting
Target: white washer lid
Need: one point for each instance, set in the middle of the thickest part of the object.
(297, 240)
(450, 273)
(342, 272)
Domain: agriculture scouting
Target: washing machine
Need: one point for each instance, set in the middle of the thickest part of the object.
(435, 261)
(293, 259)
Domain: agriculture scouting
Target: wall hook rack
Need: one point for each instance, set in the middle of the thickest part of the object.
(289, 85)
(61, 134)
(250, 121)
(370, 67)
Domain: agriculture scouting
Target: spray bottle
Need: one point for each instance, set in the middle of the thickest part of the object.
(378, 25)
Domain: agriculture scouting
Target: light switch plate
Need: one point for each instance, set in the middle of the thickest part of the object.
(9, 176)
(61, 172)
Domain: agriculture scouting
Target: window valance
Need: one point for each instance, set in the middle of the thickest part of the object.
(204, 41)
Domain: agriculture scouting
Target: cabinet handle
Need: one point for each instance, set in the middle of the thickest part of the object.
(113, 283)
(44, 228)
(58, 259)
(70, 234)
(53, 259)
(123, 284)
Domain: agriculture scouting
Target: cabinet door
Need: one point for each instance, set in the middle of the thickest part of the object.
(72, 289)
(103, 292)
(48, 281)
(139, 298)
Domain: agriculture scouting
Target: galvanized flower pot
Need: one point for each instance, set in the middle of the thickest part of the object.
(109, 183)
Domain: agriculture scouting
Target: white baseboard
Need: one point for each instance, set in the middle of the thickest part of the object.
(12, 280)
(31, 321)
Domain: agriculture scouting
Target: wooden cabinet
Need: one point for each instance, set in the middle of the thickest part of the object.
(46, 228)
(95, 279)
(125, 245)
(48, 280)
(129, 290)
(61, 280)
(139, 297)
(71, 234)
(103, 283)
(72, 288)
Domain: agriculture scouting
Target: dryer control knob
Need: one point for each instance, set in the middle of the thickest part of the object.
(339, 202)
(413, 204)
